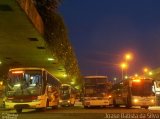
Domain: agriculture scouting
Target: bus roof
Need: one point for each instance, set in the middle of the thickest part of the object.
(26, 68)
(33, 68)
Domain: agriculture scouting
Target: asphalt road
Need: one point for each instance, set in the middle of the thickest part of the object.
(78, 112)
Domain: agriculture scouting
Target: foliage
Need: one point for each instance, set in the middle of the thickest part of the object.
(56, 35)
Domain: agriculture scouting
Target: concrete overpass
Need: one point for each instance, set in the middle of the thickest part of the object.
(28, 39)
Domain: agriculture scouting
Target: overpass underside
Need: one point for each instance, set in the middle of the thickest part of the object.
(28, 38)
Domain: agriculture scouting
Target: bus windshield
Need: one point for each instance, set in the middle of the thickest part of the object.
(26, 82)
(142, 88)
(95, 91)
(95, 87)
(65, 92)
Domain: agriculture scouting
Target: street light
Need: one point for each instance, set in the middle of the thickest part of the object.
(145, 70)
(115, 79)
(123, 66)
(150, 73)
(128, 56)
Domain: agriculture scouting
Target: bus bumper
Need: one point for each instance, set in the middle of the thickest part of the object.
(28, 105)
(65, 102)
(143, 102)
(90, 103)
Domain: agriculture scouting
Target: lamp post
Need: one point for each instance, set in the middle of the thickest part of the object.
(128, 57)
(123, 66)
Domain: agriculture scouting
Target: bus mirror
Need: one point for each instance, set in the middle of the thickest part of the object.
(153, 89)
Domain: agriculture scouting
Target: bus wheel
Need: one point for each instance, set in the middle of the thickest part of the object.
(114, 104)
(55, 107)
(85, 107)
(19, 111)
(128, 105)
(72, 104)
(146, 107)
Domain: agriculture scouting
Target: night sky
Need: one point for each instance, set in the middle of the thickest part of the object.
(102, 31)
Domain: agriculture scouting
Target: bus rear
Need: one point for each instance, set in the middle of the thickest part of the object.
(134, 92)
(96, 91)
(142, 93)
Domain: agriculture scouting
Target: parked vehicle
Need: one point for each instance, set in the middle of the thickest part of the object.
(67, 95)
(96, 91)
(31, 88)
(134, 92)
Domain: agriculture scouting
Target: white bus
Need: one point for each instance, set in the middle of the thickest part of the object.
(96, 91)
(67, 95)
(134, 92)
(31, 88)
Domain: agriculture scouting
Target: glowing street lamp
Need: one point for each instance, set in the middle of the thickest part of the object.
(136, 75)
(128, 56)
(145, 70)
(150, 73)
(115, 79)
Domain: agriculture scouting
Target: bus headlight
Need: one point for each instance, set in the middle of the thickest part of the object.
(109, 96)
(135, 100)
(152, 101)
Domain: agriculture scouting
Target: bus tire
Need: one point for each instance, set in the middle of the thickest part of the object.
(19, 111)
(114, 103)
(128, 103)
(55, 107)
(85, 107)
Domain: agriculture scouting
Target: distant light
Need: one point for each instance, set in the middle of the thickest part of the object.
(123, 65)
(150, 73)
(115, 79)
(0, 62)
(51, 59)
(31, 77)
(136, 75)
(1, 82)
(72, 82)
(135, 100)
(128, 56)
(64, 75)
(145, 70)
(126, 77)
